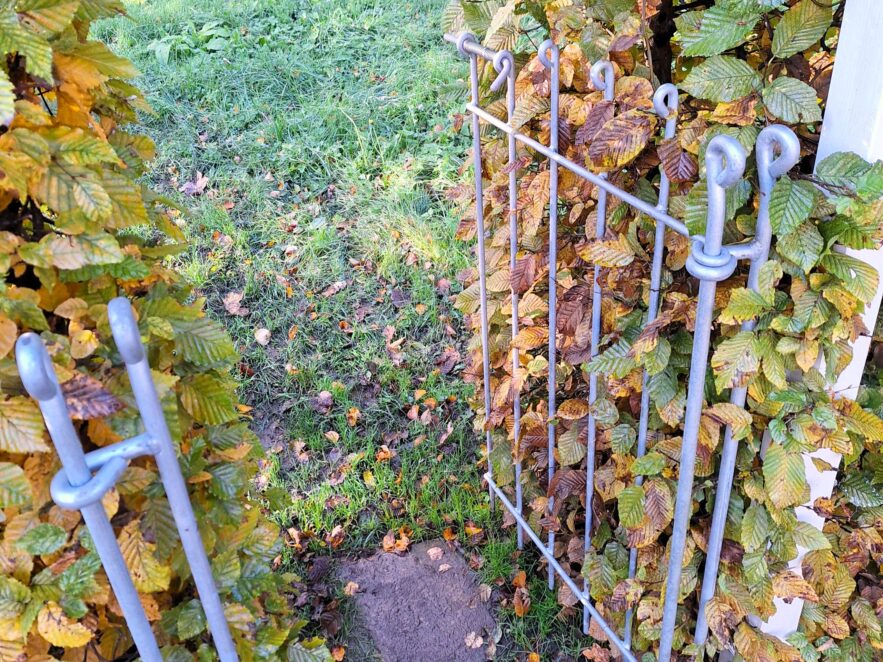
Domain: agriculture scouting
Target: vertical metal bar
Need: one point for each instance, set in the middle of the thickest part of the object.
(665, 102)
(513, 255)
(603, 79)
(552, 64)
(710, 263)
(128, 341)
(482, 266)
(38, 375)
(769, 170)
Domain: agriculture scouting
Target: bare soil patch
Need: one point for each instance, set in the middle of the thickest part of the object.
(424, 605)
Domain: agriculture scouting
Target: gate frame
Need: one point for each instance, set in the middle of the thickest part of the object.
(710, 261)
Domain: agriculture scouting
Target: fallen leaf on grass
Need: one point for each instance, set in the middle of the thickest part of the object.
(396, 545)
(338, 653)
(334, 288)
(448, 360)
(196, 187)
(435, 553)
(368, 477)
(521, 602)
(474, 640)
(323, 402)
(332, 436)
(352, 416)
(335, 538)
(233, 304)
(262, 336)
(444, 567)
(350, 589)
(484, 592)
(385, 454)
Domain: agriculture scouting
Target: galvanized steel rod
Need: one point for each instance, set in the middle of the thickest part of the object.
(665, 103)
(603, 79)
(562, 573)
(769, 170)
(711, 263)
(641, 205)
(513, 257)
(467, 41)
(39, 378)
(551, 63)
(128, 341)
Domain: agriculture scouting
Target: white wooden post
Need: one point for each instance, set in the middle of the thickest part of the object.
(853, 123)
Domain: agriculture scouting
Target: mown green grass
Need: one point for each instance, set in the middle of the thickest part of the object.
(324, 128)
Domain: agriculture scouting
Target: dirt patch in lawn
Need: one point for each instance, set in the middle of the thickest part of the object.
(425, 605)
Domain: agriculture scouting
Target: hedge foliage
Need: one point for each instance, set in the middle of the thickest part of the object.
(77, 228)
(740, 65)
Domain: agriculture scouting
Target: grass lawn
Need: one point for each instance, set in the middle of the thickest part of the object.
(312, 141)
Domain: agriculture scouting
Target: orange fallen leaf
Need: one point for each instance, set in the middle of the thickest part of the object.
(520, 580)
(352, 416)
(350, 589)
(338, 653)
(332, 436)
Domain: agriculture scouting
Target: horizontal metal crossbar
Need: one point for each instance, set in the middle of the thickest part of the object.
(710, 262)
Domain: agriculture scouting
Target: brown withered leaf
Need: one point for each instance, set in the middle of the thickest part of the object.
(572, 307)
(87, 398)
(448, 360)
(621, 139)
(598, 116)
(789, 585)
(524, 274)
(722, 620)
(233, 304)
(678, 164)
(740, 112)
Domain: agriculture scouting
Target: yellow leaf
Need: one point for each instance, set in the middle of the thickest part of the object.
(147, 572)
(59, 630)
(8, 333)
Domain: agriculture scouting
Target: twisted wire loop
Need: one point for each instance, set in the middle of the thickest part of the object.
(710, 261)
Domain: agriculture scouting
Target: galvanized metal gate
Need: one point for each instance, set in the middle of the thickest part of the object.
(710, 261)
(85, 478)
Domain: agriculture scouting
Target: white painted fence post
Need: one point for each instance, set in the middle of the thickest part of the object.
(853, 123)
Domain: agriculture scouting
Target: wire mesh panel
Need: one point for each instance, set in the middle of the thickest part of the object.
(710, 262)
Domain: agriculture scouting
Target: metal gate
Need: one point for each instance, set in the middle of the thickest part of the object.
(85, 478)
(710, 261)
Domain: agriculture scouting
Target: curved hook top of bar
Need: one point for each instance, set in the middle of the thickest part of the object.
(125, 330)
(724, 161)
(772, 139)
(504, 64)
(35, 367)
(665, 100)
(603, 78)
(543, 51)
(461, 40)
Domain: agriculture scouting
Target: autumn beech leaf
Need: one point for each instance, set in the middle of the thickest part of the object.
(59, 630)
(621, 139)
(678, 164)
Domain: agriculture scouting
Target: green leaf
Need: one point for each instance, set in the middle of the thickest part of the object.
(785, 476)
(13, 597)
(14, 38)
(861, 492)
(735, 360)
(801, 26)
(15, 490)
(615, 360)
(631, 506)
(7, 99)
(744, 304)
(792, 100)
(803, 247)
(843, 169)
(791, 203)
(722, 78)
(650, 464)
(809, 537)
(755, 531)
(208, 399)
(191, 620)
(203, 342)
(21, 426)
(714, 31)
(859, 278)
(70, 189)
(43, 539)
(570, 450)
(622, 438)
